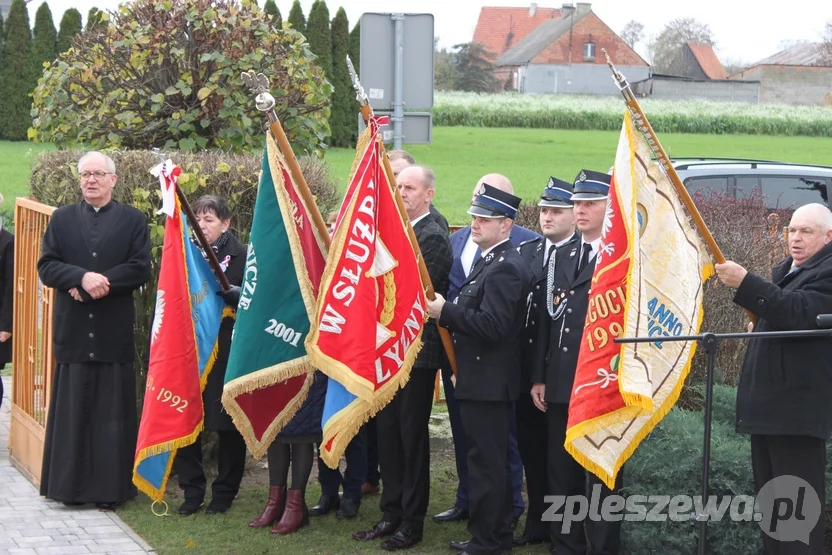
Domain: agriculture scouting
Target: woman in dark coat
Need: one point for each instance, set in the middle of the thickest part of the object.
(287, 509)
(6, 296)
(214, 218)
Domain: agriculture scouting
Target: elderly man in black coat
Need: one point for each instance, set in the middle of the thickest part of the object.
(785, 387)
(403, 425)
(94, 254)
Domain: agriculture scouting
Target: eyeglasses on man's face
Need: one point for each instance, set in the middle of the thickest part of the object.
(97, 175)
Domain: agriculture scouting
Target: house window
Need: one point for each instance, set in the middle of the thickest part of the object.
(589, 51)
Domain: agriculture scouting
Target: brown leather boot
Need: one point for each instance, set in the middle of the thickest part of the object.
(296, 514)
(273, 510)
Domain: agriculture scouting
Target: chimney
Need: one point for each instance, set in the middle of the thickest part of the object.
(584, 8)
(533, 9)
(567, 10)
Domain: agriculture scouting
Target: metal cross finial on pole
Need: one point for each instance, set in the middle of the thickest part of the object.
(197, 231)
(259, 84)
(618, 77)
(360, 95)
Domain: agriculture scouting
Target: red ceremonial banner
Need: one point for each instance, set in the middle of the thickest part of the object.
(371, 310)
(172, 412)
(595, 391)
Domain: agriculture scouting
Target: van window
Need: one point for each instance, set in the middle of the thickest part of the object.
(784, 192)
(705, 184)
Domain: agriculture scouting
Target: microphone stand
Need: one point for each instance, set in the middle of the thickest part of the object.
(709, 342)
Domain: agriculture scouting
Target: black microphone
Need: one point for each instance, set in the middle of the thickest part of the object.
(824, 320)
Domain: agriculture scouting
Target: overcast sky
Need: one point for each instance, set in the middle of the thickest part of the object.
(744, 31)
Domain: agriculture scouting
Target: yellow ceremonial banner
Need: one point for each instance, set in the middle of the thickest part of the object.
(648, 283)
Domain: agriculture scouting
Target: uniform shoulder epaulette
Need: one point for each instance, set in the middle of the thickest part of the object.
(527, 241)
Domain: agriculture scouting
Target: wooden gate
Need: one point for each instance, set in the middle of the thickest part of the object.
(33, 360)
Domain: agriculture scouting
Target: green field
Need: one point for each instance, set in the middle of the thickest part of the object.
(461, 155)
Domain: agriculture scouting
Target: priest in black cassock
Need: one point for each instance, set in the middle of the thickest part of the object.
(94, 254)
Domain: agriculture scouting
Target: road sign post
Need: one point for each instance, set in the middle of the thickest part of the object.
(391, 42)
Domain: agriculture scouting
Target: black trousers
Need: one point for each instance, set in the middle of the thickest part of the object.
(231, 463)
(404, 451)
(353, 477)
(487, 425)
(800, 456)
(532, 439)
(373, 474)
(567, 477)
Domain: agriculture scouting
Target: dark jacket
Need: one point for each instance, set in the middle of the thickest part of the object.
(439, 218)
(458, 240)
(436, 252)
(559, 340)
(487, 319)
(533, 254)
(95, 330)
(233, 256)
(786, 384)
(307, 421)
(6, 293)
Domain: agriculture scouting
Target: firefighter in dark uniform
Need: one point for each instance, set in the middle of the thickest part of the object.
(487, 320)
(558, 226)
(561, 329)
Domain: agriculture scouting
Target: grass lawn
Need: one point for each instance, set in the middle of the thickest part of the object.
(229, 534)
(16, 161)
(461, 155)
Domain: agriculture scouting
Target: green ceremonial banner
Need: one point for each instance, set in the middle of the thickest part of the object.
(269, 374)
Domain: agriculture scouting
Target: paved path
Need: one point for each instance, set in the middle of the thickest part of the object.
(32, 525)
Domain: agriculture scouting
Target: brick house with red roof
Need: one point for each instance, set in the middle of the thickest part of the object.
(546, 50)
(697, 61)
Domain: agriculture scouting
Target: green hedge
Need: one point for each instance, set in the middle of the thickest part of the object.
(669, 462)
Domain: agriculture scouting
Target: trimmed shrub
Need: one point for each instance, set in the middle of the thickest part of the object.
(167, 74)
(54, 181)
(669, 462)
(355, 47)
(741, 228)
(342, 119)
(270, 9)
(296, 17)
(70, 27)
(319, 36)
(44, 45)
(16, 74)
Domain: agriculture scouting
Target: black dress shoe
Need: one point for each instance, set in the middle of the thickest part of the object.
(217, 506)
(326, 503)
(381, 529)
(451, 515)
(348, 509)
(73, 503)
(525, 539)
(189, 507)
(106, 506)
(461, 546)
(404, 538)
